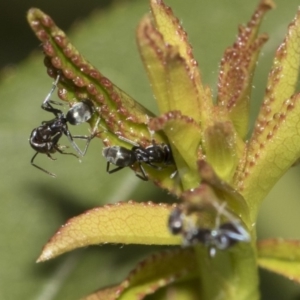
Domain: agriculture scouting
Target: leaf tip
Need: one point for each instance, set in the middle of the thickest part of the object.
(46, 254)
(269, 4)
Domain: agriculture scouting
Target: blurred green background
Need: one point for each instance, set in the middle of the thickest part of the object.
(34, 205)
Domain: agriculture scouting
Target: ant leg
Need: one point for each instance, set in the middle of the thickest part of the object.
(212, 249)
(154, 166)
(240, 233)
(56, 102)
(234, 233)
(54, 85)
(48, 154)
(88, 138)
(74, 145)
(38, 167)
(95, 131)
(58, 149)
(114, 170)
(83, 137)
(48, 107)
(237, 233)
(46, 103)
(220, 211)
(128, 141)
(144, 175)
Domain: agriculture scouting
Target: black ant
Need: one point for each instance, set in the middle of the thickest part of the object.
(221, 237)
(44, 139)
(151, 155)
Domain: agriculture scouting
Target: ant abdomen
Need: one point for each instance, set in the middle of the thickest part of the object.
(80, 112)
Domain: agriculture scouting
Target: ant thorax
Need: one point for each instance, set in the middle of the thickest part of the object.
(151, 155)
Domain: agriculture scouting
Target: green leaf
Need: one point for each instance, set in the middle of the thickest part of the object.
(237, 69)
(214, 190)
(125, 223)
(184, 135)
(274, 156)
(155, 272)
(223, 147)
(275, 143)
(187, 290)
(33, 206)
(173, 83)
(80, 77)
(280, 256)
(120, 115)
(173, 34)
(232, 273)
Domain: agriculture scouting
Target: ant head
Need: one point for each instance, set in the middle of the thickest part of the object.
(175, 222)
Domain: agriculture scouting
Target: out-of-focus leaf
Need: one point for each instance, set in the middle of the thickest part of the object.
(124, 222)
(237, 68)
(280, 256)
(187, 290)
(109, 293)
(153, 273)
(214, 190)
(232, 273)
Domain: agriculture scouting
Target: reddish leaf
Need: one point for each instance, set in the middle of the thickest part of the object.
(237, 67)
